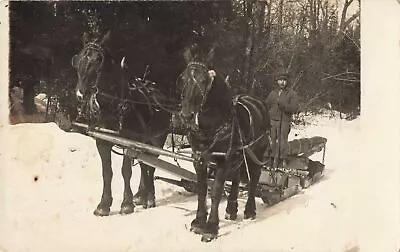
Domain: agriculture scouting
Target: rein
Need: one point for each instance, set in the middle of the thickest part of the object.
(92, 108)
(165, 107)
(238, 151)
(229, 129)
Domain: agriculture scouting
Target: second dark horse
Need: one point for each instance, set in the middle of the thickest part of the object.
(235, 126)
(111, 103)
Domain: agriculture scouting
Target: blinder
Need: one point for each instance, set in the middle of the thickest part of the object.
(75, 61)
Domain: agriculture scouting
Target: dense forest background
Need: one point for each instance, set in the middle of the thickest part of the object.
(317, 41)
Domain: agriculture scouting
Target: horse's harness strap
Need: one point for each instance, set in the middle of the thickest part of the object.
(222, 133)
(227, 129)
(245, 148)
(99, 49)
(234, 126)
(252, 142)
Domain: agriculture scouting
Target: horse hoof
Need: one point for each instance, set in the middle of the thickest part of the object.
(139, 200)
(207, 237)
(101, 212)
(127, 209)
(197, 230)
(232, 216)
(197, 226)
(250, 216)
(151, 203)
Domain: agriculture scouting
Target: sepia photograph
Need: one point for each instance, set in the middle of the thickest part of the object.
(234, 125)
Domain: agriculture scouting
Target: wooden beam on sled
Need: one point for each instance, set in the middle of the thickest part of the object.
(113, 137)
(138, 146)
(146, 153)
(99, 129)
(161, 164)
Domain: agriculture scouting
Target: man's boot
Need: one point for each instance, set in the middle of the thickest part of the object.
(284, 163)
(270, 162)
(275, 163)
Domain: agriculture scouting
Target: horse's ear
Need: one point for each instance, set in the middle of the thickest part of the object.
(85, 38)
(74, 61)
(210, 54)
(227, 79)
(124, 65)
(106, 38)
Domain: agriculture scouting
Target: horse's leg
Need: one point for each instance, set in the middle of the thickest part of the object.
(232, 205)
(150, 198)
(140, 197)
(198, 224)
(212, 225)
(104, 149)
(127, 206)
(250, 208)
(147, 196)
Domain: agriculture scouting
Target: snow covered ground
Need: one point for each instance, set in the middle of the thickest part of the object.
(51, 183)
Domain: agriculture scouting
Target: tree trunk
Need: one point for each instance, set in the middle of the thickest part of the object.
(248, 43)
(280, 16)
(257, 33)
(344, 22)
(268, 19)
(255, 14)
(29, 97)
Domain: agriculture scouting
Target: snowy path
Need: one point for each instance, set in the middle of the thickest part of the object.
(54, 213)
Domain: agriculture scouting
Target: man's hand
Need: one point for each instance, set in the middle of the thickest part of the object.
(281, 105)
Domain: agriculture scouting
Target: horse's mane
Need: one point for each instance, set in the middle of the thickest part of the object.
(220, 96)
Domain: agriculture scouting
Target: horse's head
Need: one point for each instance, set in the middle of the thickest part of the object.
(89, 66)
(197, 81)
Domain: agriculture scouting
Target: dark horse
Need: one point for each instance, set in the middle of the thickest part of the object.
(111, 103)
(237, 126)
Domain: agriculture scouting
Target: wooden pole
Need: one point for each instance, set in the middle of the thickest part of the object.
(138, 146)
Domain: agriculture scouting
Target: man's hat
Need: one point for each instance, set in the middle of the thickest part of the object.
(282, 75)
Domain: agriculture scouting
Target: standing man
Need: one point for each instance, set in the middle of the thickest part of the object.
(283, 103)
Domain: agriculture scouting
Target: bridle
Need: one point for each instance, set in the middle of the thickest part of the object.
(96, 47)
(90, 106)
(203, 91)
